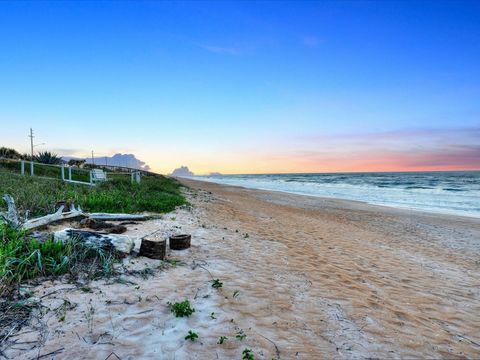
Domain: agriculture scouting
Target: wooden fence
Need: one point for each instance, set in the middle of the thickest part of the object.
(72, 174)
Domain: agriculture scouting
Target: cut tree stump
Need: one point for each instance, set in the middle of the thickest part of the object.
(153, 247)
(180, 242)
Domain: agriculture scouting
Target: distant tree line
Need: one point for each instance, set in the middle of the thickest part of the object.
(43, 157)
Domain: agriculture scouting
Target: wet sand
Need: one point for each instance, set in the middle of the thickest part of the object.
(303, 278)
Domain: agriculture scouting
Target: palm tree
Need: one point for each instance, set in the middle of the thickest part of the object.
(46, 157)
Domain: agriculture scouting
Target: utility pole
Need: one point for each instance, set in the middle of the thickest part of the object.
(31, 141)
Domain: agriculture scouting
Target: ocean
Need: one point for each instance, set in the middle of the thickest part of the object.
(449, 192)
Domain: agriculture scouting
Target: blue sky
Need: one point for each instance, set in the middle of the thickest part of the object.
(245, 86)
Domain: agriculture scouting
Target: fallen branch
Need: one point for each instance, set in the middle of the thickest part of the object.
(11, 215)
(59, 215)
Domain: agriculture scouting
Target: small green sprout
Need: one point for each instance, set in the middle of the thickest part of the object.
(212, 315)
(216, 283)
(247, 354)
(221, 340)
(236, 293)
(240, 335)
(192, 335)
(181, 309)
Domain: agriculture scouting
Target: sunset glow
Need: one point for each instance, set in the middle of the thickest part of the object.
(263, 88)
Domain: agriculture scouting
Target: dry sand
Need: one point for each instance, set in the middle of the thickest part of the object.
(313, 278)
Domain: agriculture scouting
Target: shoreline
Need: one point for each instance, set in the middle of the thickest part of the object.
(303, 277)
(367, 204)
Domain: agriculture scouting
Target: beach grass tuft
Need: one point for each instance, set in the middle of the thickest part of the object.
(23, 258)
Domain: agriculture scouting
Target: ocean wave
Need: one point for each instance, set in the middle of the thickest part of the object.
(445, 192)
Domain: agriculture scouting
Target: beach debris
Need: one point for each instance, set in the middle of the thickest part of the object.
(10, 216)
(118, 217)
(65, 211)
(121, 243)
(180, 242)
(59, 215)
(102, 225)
(153, 246)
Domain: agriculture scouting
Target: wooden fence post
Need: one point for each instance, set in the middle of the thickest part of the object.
(62, 174)
(31, 168)
(91, 176)
(22, 167)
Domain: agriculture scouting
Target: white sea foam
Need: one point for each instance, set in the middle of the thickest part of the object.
(456, 193)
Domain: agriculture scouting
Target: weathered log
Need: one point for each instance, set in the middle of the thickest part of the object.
(118, 217)
(154, 247)
(180, 242)
(11, 215)
(102, 225)
(59, 215)
(121, 243)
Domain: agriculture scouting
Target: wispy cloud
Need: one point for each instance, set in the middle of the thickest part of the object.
(406, 149)
(222, 49)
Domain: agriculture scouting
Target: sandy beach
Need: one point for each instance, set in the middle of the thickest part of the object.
(303, 278)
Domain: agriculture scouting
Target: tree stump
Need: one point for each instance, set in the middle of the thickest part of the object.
(153, 247)
(180, 242)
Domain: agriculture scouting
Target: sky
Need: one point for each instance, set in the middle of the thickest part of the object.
(246, 87)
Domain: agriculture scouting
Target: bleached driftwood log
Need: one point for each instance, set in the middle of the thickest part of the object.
(121, 243)
(59, 215)
(117, 217)
(10, 216)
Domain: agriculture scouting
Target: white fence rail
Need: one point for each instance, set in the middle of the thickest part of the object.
(67, 173)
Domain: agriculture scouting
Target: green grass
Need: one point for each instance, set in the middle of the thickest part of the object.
(38, 195)
(23, 258)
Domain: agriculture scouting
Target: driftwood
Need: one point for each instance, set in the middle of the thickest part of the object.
(118, 217)
(59, 215)
(180, 242)
(11, 215)
(121, 243)
(153, 247)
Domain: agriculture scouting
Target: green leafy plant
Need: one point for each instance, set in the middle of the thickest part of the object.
(240, 335)
(192, 335)
(247, 354)
(182, 309)
(222, 339)
(212, 316)
(217, 284)
(46, 157)
(236, 293)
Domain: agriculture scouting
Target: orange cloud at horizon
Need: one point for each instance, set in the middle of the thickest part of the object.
(421, 150)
